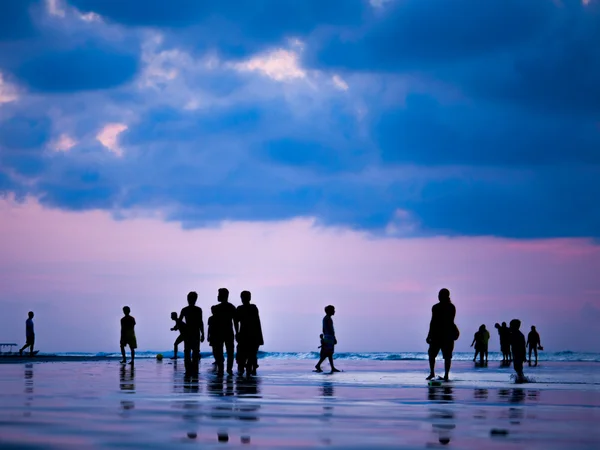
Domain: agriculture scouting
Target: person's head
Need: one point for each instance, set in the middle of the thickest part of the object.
(496, 325)
(330, 310)
(126, 310)
(321, 335)
(503, 324)
(174, 315)
(223, 295)
(213, 308)
(192, 298)
(245, 296)
(444, 295)
(482, 328)
(30, 314)
(515, 324)
(532, 327)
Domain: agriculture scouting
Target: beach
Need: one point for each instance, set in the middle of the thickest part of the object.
(372, 404)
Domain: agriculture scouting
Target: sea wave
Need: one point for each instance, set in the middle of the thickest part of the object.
(564, 356)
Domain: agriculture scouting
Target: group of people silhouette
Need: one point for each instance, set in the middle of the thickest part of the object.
(228, 325)
(443, 332)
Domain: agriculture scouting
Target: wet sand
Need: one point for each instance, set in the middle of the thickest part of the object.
(374, 404)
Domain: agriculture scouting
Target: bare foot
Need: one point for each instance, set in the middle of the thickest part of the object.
(335, 370)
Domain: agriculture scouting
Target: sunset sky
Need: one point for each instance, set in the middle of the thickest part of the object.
(353, 152)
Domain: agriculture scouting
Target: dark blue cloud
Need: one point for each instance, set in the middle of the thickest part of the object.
(83, 68)
(22, 141)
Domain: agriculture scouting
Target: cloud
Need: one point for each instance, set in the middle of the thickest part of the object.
(280, 65)
(64, 143)
(8, 93)
(339, 83)
(108, 137)
(55, 8)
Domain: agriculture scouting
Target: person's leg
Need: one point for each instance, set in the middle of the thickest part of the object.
(195, 357)
(253, 359)
(218, 352)
(123, 353)
(518, 366)
(230, 347)
(481, 356)
(31, 345)
(475, 355)
(333, 368)
(132, 349)
(322, 358)
(447, 350)
(535, 350)
(529, 360)
(178, 341)
(433, 352)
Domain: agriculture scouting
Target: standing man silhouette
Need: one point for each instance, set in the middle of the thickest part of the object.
(224, 321)
(193, 333)
(533, 343)
(250, 336)
(442, 333)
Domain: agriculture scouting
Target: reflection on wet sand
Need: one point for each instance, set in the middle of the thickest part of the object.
(127, 384)
(442, 418)
(517, 396)
(327, 391)
(28, 388)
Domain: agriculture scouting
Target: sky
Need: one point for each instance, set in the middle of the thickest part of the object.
(360, 153)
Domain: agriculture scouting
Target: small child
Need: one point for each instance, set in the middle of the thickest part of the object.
(321, 346)
(179, 326)
(517, 344)
(128, 334)
(210, 334)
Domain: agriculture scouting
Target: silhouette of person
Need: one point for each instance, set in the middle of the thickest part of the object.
(128, 335)
(442, 333)
(212, 334)
(329, 340)
(504, 335)
(517, 344)
(480, 340)
(29, 335)
(179, 326)
(534, 343)
(250, 336)
(193, 333)
(224, 319)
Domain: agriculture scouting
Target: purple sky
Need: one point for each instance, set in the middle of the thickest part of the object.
(77, 269)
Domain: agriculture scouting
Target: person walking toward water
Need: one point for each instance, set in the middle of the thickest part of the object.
(29, 335)
(517, 344)
(128, 335)
(480, 340)
(442, 333)
(179, 326)
(329, 340)
(250, 336)
(534, 343)
(224, 317)
(193, 333)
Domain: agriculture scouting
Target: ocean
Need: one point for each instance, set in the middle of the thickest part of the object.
(379, 401)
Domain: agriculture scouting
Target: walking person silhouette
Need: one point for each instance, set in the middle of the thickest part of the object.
(442, 333)
(224, 322)
(329, 340)
(29, 335)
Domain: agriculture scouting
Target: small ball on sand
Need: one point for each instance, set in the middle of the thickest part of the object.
(159, 357)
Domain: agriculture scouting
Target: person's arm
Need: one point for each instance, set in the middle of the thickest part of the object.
(201, 327)
(431, 324)
(236, 322)
(474, 339)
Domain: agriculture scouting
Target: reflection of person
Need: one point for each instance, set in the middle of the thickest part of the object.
(329, 340)
(442, 333)
(194, 333)
(29, 334)
(517, 344)
(179, 326)
(533, 343)
(250, 336)
(128, 334)
(480, 340)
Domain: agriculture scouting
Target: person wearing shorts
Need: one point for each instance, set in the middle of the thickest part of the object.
(442, 333)
(128, 335)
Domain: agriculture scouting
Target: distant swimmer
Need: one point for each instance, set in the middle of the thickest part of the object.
(480, 340)
(329, 340)
(29, 335)
(179, 326)
(193, 334)
(224, 321)
(534, 344)
(442, 333)
(517, 344)
(250, 336)
(128, 334)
